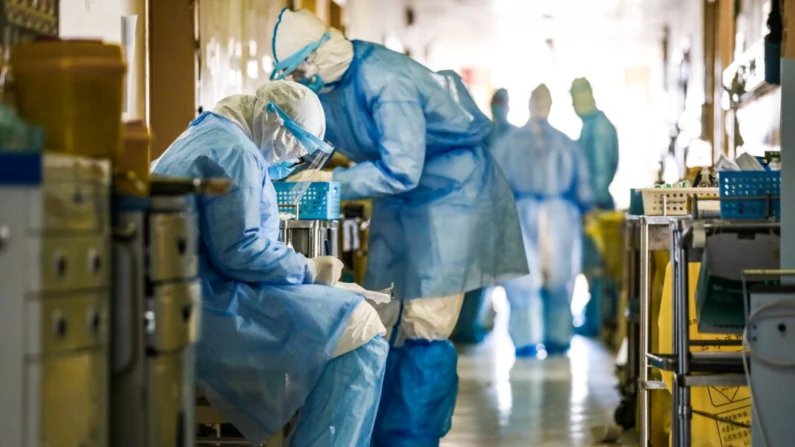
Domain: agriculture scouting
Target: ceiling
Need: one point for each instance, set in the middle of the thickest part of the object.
(480, 25)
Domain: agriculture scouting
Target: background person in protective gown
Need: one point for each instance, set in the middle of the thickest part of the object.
(477, 312)
(599, 144)
(549, 180)
(271, 341)
(500, 106)
(443, 221)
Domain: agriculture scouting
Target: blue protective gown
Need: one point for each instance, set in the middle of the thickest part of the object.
(547, 175)
(473, 324)
(267, 333)
(444, 221)
(599, 144)
(499, 128)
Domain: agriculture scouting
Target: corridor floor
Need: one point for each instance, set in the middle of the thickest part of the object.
(555, 402)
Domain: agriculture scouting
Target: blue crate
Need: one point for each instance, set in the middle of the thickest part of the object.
(321, 201)
(749, 184)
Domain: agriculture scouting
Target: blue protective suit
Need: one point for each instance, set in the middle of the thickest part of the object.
(444, 221)
(547, 174)
(599, 144)
(443, 217)
(267, 333)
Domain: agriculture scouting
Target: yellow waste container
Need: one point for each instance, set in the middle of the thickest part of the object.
(73, 90)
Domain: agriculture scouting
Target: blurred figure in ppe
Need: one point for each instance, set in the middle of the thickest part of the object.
(477, 312)
(500, 106)
(599, 144)
(443, 220)
(549, 179)
(276, 339)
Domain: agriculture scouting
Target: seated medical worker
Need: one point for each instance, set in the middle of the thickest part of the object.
(444, 221)
(275, 339)
(549, 177)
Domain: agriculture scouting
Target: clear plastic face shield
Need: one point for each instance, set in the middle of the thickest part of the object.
(318, 153)
(299, 68)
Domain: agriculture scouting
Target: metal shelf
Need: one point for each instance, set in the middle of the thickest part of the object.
(708, 362)
(702, 380)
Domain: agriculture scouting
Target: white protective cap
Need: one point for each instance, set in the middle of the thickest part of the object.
(265, 128)
(297, 29)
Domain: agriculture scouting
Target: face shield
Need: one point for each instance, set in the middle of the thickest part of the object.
(299, 68)
(318, 153)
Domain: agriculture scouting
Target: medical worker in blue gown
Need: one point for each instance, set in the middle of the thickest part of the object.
(477, 312)
(443, 222)
(500, 106)
(599, 145)
(275, 340)
(549, 179)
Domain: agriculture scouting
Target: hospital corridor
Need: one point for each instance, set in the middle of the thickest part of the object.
(563, 401)
(397, 223)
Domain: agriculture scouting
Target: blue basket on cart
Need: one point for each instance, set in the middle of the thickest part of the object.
(751, 194)
(320, 202)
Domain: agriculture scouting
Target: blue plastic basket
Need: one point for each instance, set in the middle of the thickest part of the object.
(321, 201)
(756, 184)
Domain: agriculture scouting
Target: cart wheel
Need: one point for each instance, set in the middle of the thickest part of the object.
(625, 414)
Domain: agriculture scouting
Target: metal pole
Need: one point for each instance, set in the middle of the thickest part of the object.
(683, 338)
(645, 315)
(675, 276)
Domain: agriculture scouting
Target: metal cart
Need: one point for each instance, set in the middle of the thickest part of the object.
(696, 369)
(654, 235)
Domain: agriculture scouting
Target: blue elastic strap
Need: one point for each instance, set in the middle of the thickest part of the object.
(285, 67)
(309, 141)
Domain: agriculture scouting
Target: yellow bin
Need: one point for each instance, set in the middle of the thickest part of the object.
(72, 89)
(132, 170)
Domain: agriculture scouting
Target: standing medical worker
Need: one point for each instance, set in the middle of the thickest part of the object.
(549, 179)
(599, 144)
(272, 342)
(443, 221)
(500, 106)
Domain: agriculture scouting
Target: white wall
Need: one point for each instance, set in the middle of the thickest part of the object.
(101, 19)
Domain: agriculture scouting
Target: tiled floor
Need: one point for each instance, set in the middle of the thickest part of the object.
(504, 402)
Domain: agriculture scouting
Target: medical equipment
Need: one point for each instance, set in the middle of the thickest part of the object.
(312, 238)
(156, 314)
(769, 359)
(54, 300)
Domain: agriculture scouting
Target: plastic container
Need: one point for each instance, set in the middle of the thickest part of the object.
(320, 202)
(673, 201)
(756, 186)
(132, 169)
(635, 202)
(73, 90)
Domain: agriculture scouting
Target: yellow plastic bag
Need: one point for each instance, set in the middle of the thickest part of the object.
(732, 403)
(660, 401)
(606, 230)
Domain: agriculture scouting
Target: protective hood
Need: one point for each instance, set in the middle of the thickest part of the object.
(296, 29)
(266, 128)
(540, 103)
(582, 97)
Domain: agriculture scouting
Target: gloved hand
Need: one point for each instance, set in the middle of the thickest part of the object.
(307, 176)
(328, 270)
